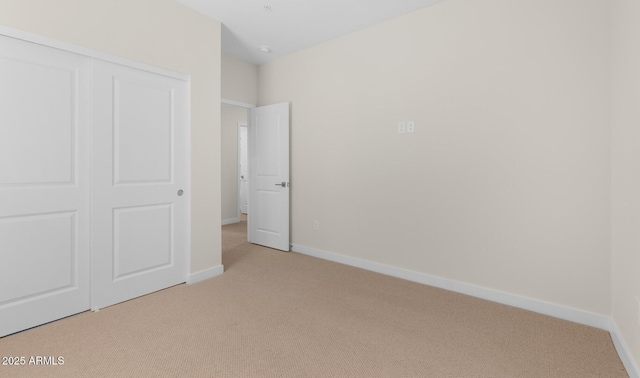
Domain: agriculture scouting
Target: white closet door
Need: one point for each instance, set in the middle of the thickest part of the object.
(139, 183)
(44, 184)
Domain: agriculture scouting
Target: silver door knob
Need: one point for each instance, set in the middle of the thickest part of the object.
(283, 184)
(180, 192)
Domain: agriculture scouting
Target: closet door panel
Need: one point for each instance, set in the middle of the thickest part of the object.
(139, 214)
(44, 184)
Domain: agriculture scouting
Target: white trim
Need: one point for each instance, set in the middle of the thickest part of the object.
(531, 304)
(188, 184)
(205, 274)
(230, 221)
(85, 51)
(237, 103)
(623, 351)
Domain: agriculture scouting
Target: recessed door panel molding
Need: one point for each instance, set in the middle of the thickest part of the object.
(44, 184)
(268, 211)
(139, 185)
(143, 129)
(39, 117)
(137, 251)
(268, 129)
(39, 244)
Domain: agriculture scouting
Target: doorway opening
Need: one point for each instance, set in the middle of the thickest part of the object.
(256, 170)
(234, 159)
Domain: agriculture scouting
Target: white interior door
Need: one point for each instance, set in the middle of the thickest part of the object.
(139, 183)
(44, 184)
(243, 159)
(269, 176)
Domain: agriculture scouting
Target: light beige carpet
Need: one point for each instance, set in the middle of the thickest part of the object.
(276, 314)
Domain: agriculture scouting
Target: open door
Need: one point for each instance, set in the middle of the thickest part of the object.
(269, 176)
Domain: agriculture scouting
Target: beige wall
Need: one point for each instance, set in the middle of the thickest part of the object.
(239, 80)
(626, 175)
(231, 115)
(165, 34)
(505, 183)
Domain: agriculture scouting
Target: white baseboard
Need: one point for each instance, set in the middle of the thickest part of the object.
(557, 311)
(535, 305)
(205, 274)
(623, 351)
(230, 221)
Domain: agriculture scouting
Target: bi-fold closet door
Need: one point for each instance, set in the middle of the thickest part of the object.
(93, 182)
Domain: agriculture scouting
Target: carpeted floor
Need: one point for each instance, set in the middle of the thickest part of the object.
(276, 314)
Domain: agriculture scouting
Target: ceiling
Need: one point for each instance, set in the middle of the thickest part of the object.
(287, 26)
